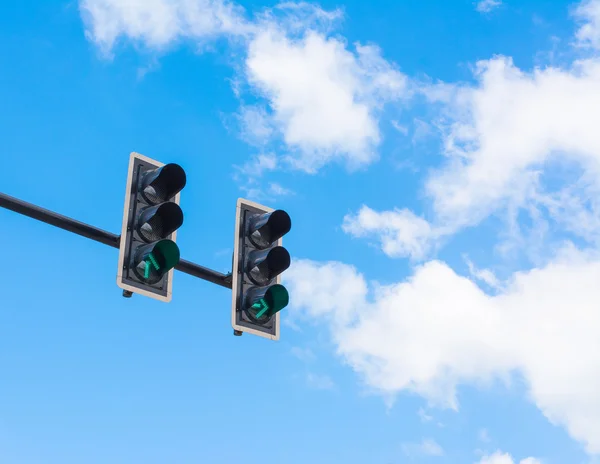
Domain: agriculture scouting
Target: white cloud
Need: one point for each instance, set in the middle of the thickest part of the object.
(334, 292)
(485, 6)
(427, 447)
(508, 131)
(400, 232)
(159, 23)
(515, 142)
(324, 99)
(438, 330)
(588, 12)
(505, 458)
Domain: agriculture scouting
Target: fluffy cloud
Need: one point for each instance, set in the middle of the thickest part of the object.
(334, 293)
(515, 142)
(507, 129)
(438, 330)
(400, 232)
(505, 458)
(323, 98)
(158, 23)
(588, 12)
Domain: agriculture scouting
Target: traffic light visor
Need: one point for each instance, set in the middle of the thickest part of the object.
(265, 229)
(158, 222)
(159, 185)
(264, 265)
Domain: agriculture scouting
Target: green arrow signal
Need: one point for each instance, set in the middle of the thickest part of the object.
(150, 259)
(153, 261)
(261, 306)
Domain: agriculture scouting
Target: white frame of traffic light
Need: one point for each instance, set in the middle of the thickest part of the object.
(167, 298)
(235, 268)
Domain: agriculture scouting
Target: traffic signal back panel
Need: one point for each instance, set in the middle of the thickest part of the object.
(259, 259)
(151, 217)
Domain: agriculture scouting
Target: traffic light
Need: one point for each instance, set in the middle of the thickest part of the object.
(148, 252)
(258, 261)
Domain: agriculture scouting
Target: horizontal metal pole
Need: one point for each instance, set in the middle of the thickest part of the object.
(204, 273)
(102, 236)
(58, 220)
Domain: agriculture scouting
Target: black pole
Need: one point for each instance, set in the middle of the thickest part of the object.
(204, 273)
(58, 220)
(102, 236)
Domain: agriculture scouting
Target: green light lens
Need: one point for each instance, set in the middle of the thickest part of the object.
(274, 300)
(278, 298)
(170, 253)
(153, 262)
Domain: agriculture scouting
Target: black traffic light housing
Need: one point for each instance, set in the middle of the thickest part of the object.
(258, 261)
(148, 252)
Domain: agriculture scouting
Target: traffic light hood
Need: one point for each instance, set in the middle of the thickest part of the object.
(265, 229)
(264, 265)
(159, 185)
(158, 222)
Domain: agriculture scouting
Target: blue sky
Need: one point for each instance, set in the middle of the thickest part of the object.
(439, 161)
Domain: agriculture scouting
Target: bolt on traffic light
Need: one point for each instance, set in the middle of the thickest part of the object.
(258, 261)
(148, 252)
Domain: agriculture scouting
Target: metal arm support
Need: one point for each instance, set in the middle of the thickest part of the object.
(102, 236)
